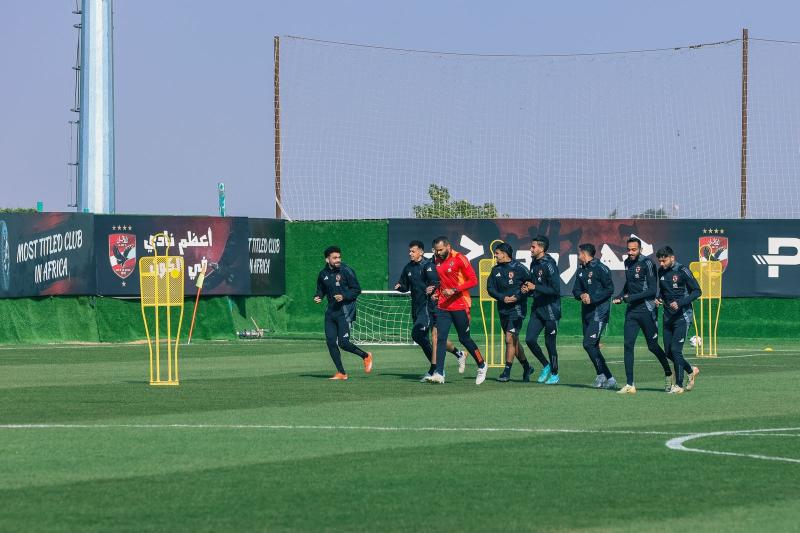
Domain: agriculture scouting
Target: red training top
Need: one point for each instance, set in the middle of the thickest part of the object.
(455, 272)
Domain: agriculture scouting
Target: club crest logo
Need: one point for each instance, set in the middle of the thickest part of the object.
(713, 248)
(5, 258)
(674, 278)
(122, 253)
(510, 275)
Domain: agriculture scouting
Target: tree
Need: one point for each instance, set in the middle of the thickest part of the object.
(442, 206)
(17, 210)
(653, 213)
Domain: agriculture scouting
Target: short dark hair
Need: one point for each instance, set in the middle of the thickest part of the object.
(588, 248)
(544, 241)
(418, 244)
(637, 240)
(441, 239)
(332, 250)
(665, 251)
(505, 248)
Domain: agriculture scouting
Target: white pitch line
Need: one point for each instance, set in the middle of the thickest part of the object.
(678, 444)
(701, 359)
(329, 428)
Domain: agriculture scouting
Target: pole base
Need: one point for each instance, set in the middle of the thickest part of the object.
(170, 383)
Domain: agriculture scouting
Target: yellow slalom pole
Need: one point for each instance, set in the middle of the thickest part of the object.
(149, 341)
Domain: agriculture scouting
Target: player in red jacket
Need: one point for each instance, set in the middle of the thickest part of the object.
(456, 278)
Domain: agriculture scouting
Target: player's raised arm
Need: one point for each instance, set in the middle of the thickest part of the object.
(606, 284)
(492, 285)
(470, 279)
(552, 285)
(578, 288)
(431, 277)
(693, 291)
(402, 283)
(320, 289)
(351, 289)
(524, 276)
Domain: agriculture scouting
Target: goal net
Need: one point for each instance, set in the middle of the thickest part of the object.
(384, 317)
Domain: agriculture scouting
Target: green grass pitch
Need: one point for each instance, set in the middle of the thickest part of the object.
(256, 438)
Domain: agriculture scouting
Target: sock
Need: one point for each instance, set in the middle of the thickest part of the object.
(454, 351)
(478, 358)
(432, 369)
(526, 365)
(509, 365)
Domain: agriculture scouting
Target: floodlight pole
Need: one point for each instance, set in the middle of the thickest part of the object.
(743, 182)
(96, 183)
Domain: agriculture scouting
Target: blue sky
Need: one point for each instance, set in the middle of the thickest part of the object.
(194, 78)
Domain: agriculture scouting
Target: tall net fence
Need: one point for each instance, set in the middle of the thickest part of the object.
(370, 132)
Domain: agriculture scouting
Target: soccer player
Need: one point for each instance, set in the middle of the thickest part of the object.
(339, 284)
(434, 302)
(639, 293)
(505, 285)
(545, 286)
(594, 288)
(456, 278)
(677, 290)
(419, 277)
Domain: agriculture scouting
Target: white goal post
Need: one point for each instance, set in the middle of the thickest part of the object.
(383, 317)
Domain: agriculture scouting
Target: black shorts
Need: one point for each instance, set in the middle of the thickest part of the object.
(512, 324)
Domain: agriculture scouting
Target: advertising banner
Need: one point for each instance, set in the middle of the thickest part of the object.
(46, 254)
(121, 240)
(759, 257)
(267, 246)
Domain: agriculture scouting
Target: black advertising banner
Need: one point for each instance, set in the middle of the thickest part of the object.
(759, 257)
(121, 240)
(267, 256)
(46, 254)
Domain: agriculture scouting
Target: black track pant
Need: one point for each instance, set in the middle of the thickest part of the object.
(535, 326)
(420, 331)
(337, 335)
(460, 320)
(642, 320)
(592, 330)
(676, 328)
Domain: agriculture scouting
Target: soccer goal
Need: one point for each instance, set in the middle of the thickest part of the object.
(384, 317)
